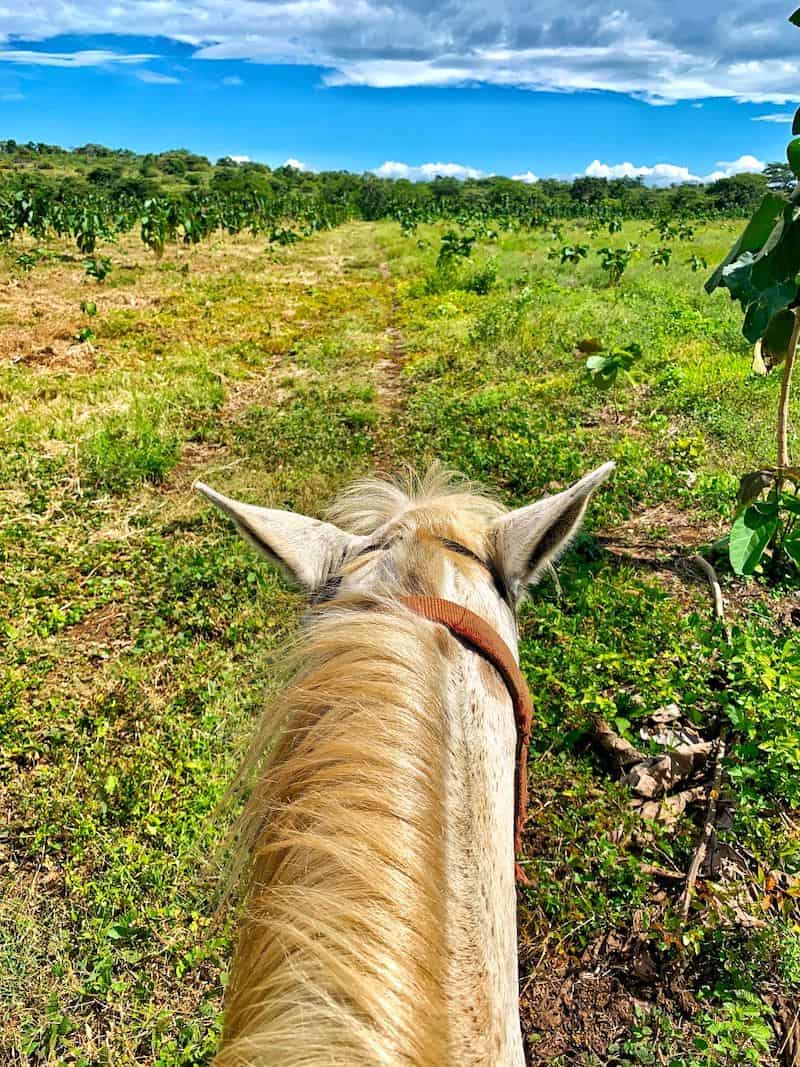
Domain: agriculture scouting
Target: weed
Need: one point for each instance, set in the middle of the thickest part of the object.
(127, 451)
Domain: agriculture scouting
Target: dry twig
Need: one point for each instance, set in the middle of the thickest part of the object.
(701, 849)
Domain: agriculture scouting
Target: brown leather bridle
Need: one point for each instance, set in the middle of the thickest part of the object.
(479, 635)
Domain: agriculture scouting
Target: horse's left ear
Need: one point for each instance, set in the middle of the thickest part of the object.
(307, 550)
(527, 539)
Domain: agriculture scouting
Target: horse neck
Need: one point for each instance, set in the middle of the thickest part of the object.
(380, 925)
(482, 980)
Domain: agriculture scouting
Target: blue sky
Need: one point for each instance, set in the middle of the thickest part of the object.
(412, 87)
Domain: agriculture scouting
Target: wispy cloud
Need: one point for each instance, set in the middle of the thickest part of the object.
(673, 173)
(88, 58)
(233, 80)
(783, 117)
(11, 97)
(152, 77)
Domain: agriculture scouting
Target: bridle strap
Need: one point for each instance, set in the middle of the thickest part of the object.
(484, 639)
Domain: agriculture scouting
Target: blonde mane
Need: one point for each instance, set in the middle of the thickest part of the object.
(341, 954)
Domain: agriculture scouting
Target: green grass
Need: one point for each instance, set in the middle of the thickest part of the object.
(138, 630)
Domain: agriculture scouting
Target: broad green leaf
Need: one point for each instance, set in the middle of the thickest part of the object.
(767, 304)
(755, 235)
(795, 18)
(750, 535)
(790, 503)
(777, 337)
(597, 363)
(791, 547)
(796, 123)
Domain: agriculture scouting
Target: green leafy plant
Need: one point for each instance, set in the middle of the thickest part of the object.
(86, 334)
(765, 531)
(26, 261)
(569, 253)
(661, 256)
(761, 272)
(607, 368)
(97, 267)
(454, 246)
(697, 263)
(282, 235)
(615, 261)
(739, 1034)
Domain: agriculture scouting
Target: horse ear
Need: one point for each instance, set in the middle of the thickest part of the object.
(307, 550)
(530, 538)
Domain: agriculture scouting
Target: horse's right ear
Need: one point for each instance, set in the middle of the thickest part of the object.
(529, 539)
(307, 550)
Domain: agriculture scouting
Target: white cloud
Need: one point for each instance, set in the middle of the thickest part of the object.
(742, 165)
(528, 177)
(88, 58)
(391, 169)
(659, 174)
(426, 172)
(11, 97)
(232, 80)
(240, 159)
(657, 52)
(152, 77)
(783, 117)
(657, 74)
(671, 173)
(295, 164)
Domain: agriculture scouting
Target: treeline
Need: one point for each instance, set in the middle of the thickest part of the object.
(94, 171)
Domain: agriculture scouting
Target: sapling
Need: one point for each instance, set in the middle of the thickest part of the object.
(761, 272)
(615, 261)
(607, 367)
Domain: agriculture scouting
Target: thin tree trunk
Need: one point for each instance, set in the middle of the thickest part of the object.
(786, 388)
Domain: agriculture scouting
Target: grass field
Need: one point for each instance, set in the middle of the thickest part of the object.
(137, 630)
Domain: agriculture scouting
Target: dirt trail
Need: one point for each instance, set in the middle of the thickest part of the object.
(389, 369)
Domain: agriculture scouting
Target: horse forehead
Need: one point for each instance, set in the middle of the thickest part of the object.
(436, 524)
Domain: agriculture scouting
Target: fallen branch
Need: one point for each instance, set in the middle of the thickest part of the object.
(669, 809)
(701, 849)
(661, 872)
(713, 581)
(656, 775)
(716, 591)
(622, 752)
